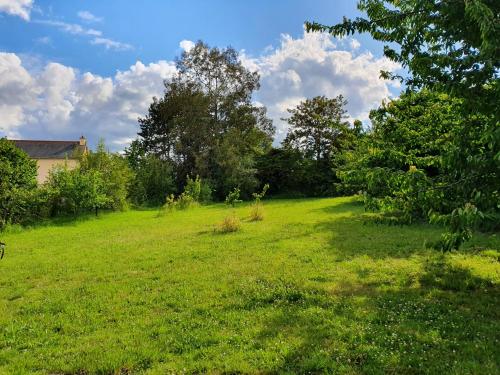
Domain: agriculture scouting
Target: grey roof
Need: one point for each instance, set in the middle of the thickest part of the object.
(51, 149)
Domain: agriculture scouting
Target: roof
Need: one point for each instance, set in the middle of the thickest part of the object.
(51, 149)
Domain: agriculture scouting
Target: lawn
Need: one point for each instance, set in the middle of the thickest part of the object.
(315, 287)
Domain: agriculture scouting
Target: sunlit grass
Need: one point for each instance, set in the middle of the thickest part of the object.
(312, 288)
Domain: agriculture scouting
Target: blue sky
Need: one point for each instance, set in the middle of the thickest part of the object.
(93, 66)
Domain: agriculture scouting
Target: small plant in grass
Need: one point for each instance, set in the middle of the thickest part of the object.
(257, 213)
(193, 188)
(231, 223)
(233, 197)
(186, 201)
(169, 206)
(259, 196)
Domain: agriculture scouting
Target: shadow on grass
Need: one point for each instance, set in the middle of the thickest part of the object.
(353, 237)
(434, 328)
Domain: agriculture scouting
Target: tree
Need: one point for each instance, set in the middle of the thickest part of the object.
(116, 172)
(75, 191)
(318, 127)
(153, 177)
(402, 157)
(319, 131)
(17, 180)
(449, 46)
(206, 123)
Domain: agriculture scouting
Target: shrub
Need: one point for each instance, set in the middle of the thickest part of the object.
(230, 223)
(257, 213)
(461, 223)
(259, 196)
(233, 197)
(117, 173)
(185, 201)
(75, 191)
(193, 188)
(169, 206)
(153, 180)
(17, 181)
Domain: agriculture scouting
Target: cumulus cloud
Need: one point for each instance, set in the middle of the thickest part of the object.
(59, 102)
(187, 45)
(86, 16)
(314, 65)
(20, 8)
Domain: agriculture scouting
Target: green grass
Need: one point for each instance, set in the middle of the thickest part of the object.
(312, 288)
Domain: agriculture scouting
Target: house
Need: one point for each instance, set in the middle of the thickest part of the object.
(51, 153)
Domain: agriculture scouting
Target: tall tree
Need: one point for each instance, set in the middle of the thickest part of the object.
(206, 123)
(318, 127)
(450, 46)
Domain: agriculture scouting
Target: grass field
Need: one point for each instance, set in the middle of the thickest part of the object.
(312, 288)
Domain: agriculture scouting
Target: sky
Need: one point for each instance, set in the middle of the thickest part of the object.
(72, 68)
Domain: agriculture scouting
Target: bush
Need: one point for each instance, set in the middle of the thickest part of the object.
(153, 178)
(17, 183)
(193, 188)
(185, 201)
(117, 173)
(233, 197)
(257, 213)
(75, 191)
(230, 224)
(169, 206)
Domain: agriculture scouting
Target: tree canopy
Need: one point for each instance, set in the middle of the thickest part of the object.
(206, 123)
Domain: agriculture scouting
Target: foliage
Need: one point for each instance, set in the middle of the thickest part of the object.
(286, 171)
(230, 223)
(154, 178)
(185, 201)
(75, 191)
(259, 196)
(17, 181)
(318, 134)
(206, 123)
(318, 127)
(461, 223)
(169, 206)
(116, 173)
(257, 212)
(314, 290)
(233, 197)
(450, 47)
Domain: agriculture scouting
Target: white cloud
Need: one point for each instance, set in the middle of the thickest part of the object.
(111, 44)
(314, 65)
(71, 28)
(60, 102)
(20, 8)
(44, 40)
(187, 45)
(97, 37)
(86, 16)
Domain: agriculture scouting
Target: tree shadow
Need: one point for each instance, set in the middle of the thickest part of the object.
(353, 237)
(447, 324)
